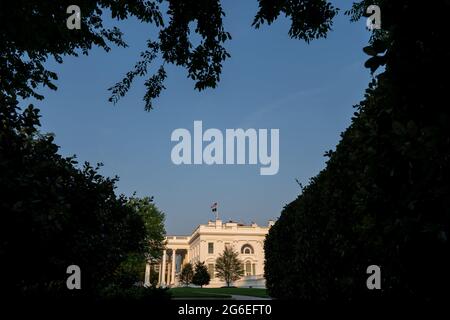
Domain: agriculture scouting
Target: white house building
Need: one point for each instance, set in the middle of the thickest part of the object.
(205, 244)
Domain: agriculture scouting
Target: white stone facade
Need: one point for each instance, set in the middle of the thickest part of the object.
(206, 243)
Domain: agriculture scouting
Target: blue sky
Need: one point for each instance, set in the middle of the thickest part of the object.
(307, 91)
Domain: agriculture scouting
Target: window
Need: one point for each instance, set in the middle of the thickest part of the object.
(247, 249)
(210, 247)
(211, 270)
(248, 268)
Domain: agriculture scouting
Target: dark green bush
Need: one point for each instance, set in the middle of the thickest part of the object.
(135, 294)
(384, 195)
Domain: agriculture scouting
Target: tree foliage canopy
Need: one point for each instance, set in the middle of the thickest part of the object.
(187, 273)
(383, 197)
(131, 269)
(201, 276)
(33, 31)
(229, 266)
(153, 219)
(55, 214)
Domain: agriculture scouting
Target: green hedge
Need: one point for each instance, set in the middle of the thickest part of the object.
(384, 196)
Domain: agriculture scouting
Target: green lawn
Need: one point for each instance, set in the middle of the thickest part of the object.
(186, 292)
(221, 293)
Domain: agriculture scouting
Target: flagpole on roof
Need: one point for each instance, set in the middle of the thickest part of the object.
(214, 210)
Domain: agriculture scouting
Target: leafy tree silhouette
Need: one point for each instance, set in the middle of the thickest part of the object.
(22, 57)
(187, 273)
(228, 266)
(201, 276)
(383, 197)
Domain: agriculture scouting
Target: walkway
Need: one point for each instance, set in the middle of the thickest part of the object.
(239, 297)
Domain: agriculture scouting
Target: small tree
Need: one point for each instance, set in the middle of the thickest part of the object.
(154, 278)
(201, 276)
(228, 266)
(186, 274)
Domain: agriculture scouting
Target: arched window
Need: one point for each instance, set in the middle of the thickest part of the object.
(247, 249)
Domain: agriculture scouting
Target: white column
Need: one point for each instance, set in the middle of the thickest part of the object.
(172, 280)
(159, 274)
(147, 274)
(163, 274)
(168, 271)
